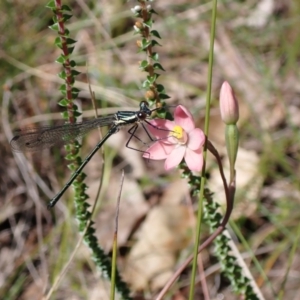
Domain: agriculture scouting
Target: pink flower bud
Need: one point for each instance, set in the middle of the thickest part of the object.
(228, 105)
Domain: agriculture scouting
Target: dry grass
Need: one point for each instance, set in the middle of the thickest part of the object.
(258, 55)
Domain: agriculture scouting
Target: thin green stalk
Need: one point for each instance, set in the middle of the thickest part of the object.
(290, 261)
(113, 268)
(253, 257)
(207, 115)
(115, 244)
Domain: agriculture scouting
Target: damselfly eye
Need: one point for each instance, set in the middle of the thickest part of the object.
(142, 115)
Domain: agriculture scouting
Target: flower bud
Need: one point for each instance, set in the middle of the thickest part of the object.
(228, 105)
(139, 25)
(150, 95)
(232, 143)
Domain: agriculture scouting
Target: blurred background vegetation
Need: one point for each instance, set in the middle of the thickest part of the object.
(256, 51)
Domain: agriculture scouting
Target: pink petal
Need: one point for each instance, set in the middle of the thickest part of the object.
(196, 139)
(158, 151)
(194, 159)
(165, 127)
(175, 157)
(184, 118)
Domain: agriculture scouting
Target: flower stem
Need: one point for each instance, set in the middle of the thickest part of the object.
(203, 181)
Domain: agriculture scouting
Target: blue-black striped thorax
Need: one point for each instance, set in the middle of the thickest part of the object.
(131, 117)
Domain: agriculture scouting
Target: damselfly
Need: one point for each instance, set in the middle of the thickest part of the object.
(35, 139)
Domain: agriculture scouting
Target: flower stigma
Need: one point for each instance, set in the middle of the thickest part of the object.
(179, 133)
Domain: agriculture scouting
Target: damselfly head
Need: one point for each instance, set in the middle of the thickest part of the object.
(145, 111)
(144, 108)
(144, 105)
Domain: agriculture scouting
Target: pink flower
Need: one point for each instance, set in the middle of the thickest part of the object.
(177, 140)
(228, 104)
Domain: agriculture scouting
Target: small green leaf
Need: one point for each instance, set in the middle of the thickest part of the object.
(146, 84)
(68, 147)
(63, 87)
(64, 102)
(161, 114)
(57, 42)
(62, 75)
(148, 23)
(75, 90)
(144, 64)
(152, 11)
(155, 33)
(163, 96)
(70, 50)
(152, 79)
(142, 50)
(72, 166)
(145, 43)
(71, 41)
(160, 88)
(66, 57)
(158, 66)
(66, 17)
(170, 117)
(69, 156)
(51, 4)
(65, 8)
(54, 27)
(77, 114)
(64, 93)
(65, 115)
(60, 60)
(75, 72)
(74, 107)
(75, 95)
(72, 63)
(155, 56)
(137, 13)
(75, 151)
(154, 43)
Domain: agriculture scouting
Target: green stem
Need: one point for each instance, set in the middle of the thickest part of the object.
(207, 115)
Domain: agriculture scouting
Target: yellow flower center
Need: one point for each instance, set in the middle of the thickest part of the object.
(179, 133)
